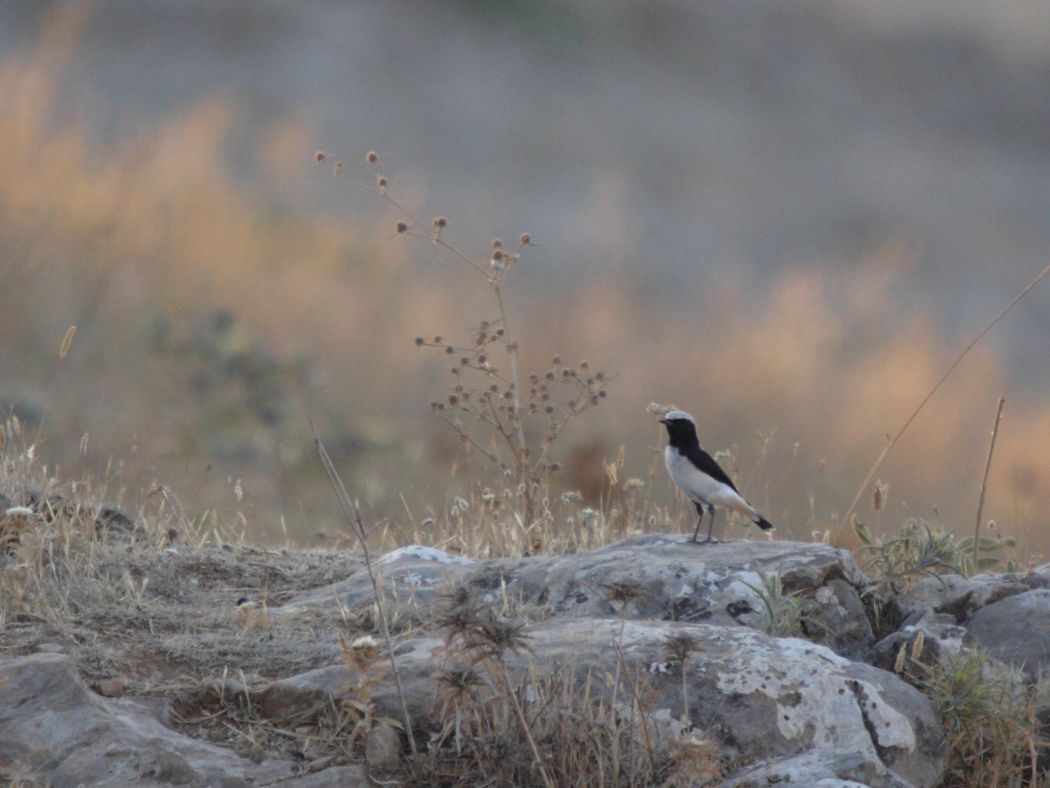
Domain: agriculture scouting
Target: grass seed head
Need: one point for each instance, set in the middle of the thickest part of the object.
(67, 341)
(880, 495)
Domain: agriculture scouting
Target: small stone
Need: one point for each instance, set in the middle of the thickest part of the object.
(111, 688)
(383, 748)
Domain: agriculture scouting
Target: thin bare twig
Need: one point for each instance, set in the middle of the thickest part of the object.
(499, 669)
(512, 352)
(951, 368)
(63, 351)
(984, 479)
(353, 516)
(622, 661)
(467, 437)
(462, 257)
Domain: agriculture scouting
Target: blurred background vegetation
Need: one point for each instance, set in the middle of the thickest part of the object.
(784, 218)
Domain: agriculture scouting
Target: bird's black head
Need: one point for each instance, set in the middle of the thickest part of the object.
(681, 429)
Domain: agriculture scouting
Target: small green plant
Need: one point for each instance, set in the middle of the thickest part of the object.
(917, 551)
(989, 713)
(992, 554)
(782, 611)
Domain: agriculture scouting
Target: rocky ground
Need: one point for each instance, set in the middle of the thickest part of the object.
(126, 659)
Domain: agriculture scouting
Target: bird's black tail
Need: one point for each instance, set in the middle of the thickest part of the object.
(763, 523)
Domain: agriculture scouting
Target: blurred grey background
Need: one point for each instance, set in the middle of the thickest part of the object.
(680, 146)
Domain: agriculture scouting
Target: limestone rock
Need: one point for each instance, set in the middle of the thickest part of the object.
(412, 577)
(817, 769)
(761, 697)
(672, 579)
(1015, 630)
(383, 748)
(299, 695)
(54, 729)
(940, 636)
(837, 617)
(961, 597)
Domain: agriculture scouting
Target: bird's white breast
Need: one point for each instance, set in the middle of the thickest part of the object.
(700, 487)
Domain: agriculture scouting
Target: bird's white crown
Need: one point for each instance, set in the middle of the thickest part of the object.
(674, 415)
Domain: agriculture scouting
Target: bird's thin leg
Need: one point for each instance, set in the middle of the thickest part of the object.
(699, 520)
(710, 523)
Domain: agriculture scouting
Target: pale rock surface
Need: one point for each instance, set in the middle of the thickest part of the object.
(817, 769)
(760, 697)
(676, 580)
(1015, 630)
(940, 636)
(1006, 615)
(962, 597)
(382, 748)
(55, 731)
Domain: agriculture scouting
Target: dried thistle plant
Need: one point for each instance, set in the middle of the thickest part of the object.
(678, 646)
(493, 413)
(360, 653)
(458, 684)
(513, 422)
(356, 707)
(697, 760)
(492, 636)
(457, 621)
(484, 637)
(623, 592)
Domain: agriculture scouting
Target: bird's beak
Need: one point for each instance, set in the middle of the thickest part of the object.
(663, 421)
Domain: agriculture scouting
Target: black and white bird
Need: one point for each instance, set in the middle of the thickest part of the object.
(698, 475)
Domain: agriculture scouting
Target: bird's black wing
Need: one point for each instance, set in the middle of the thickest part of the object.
(706, 463)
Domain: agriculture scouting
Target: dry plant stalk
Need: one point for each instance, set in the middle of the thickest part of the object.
(497, 403)
(487, 637)
(353, 516)
(984, 480)
(63, 351)
(621, 662)
(526, 729)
